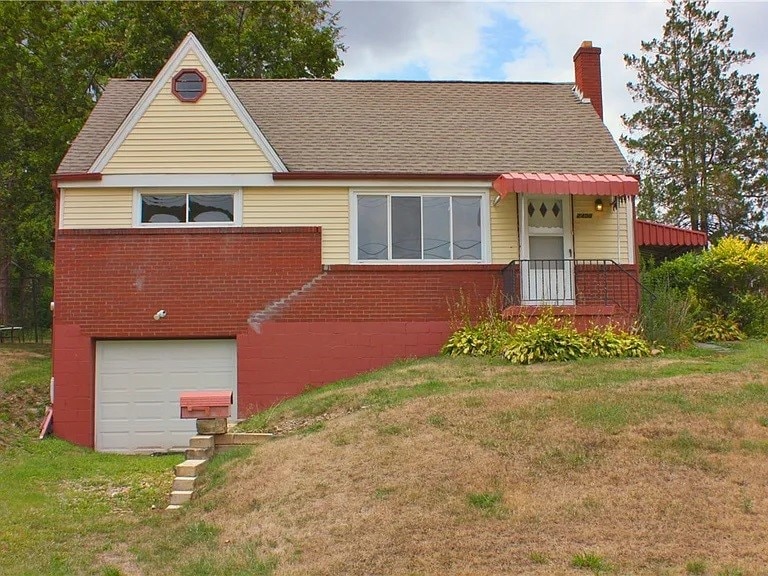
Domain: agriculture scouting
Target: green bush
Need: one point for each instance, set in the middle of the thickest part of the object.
(487, 338)
(677, 274)
(716, 329)
(729, 280)
(731, 269)
(751, 313)
(548, 339)
(609, 342)
(545, 341)
(666, 315)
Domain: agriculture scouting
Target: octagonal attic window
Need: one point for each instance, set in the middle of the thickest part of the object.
(188, 85)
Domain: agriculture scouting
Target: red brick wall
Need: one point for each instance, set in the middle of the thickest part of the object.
(368, 293)
(110, 283)
(608, 285)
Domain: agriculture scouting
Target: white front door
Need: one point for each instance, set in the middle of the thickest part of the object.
(546, 250)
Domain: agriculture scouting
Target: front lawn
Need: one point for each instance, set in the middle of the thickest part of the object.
(437, 466)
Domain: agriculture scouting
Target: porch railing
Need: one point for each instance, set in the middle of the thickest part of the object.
(565, 282)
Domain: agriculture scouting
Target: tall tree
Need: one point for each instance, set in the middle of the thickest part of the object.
(55, 58)
(699, 144)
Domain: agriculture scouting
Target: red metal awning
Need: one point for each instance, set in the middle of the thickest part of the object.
(653, 234)
(564, 184)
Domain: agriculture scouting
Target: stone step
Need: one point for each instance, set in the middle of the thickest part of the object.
(207, 426)
(202, 441)
(199, 453)
(242, 438)
(179, 497)
(184, 483)
(190, 467)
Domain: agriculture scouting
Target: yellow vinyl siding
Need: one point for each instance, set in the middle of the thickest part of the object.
(96, 208)
(598, 237)
(202, 137)
(504, 231)
(325, 207)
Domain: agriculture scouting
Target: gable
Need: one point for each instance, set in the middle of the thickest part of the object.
(182, 137)
(343, 127)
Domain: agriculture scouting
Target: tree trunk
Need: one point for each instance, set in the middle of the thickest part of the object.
(5, 289)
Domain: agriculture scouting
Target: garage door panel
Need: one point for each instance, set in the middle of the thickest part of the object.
(138, 385)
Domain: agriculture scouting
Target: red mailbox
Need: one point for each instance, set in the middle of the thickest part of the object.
(206, 404)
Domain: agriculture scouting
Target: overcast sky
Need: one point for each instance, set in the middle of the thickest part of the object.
(521, 41)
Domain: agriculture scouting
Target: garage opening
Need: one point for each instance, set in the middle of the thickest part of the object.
(138, 384)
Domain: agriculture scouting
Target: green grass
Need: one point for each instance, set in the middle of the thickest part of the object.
(35, 372)
(489, 503)
(54, 495)
(384, 389)
(68, 510)
(590, 561)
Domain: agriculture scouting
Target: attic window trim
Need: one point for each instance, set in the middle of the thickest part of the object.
(235, 193)
(180, 94)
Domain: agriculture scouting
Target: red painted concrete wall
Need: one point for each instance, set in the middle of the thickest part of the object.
(286, 358)
(110, 283)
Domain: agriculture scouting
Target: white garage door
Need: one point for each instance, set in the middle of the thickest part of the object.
(138, 384)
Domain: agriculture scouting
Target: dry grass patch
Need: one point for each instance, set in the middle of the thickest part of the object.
(517, 477)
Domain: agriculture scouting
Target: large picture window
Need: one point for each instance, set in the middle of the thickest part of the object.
(419, 227)
(175, 209)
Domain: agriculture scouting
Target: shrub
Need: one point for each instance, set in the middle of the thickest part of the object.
(608, 342)
(666, 316)
(545, 341)
(487, 338)
(751, 314)
(716, 329)
(729, 280)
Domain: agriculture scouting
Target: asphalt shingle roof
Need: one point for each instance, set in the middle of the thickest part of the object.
(398, 127)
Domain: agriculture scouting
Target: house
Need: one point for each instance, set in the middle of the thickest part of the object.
(266, 236)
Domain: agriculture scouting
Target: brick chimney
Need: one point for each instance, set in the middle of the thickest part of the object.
(586, 63)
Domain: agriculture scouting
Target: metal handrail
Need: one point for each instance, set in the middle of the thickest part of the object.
(569, 281)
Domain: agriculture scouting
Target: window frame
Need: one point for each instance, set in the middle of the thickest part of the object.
(179, 95)
(485, 225)
(237, 201)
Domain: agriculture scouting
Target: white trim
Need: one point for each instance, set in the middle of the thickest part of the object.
(266, 180)
(630, 204)
(173, 181)
(485, 223)
(190, 44)
(237, 202)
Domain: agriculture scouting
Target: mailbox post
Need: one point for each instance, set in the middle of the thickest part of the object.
(211, 408)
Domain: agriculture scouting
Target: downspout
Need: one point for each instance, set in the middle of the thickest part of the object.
(615, 201)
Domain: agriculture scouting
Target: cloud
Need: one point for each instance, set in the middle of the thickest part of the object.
(522, 41)
(427, 40)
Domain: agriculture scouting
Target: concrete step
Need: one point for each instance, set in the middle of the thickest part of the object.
(179, 497)
(190, 467)
(199, 453)
(202, 441)
(242, 438)
(184, 483)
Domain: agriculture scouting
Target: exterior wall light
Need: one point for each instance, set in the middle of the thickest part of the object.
(599, 205)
